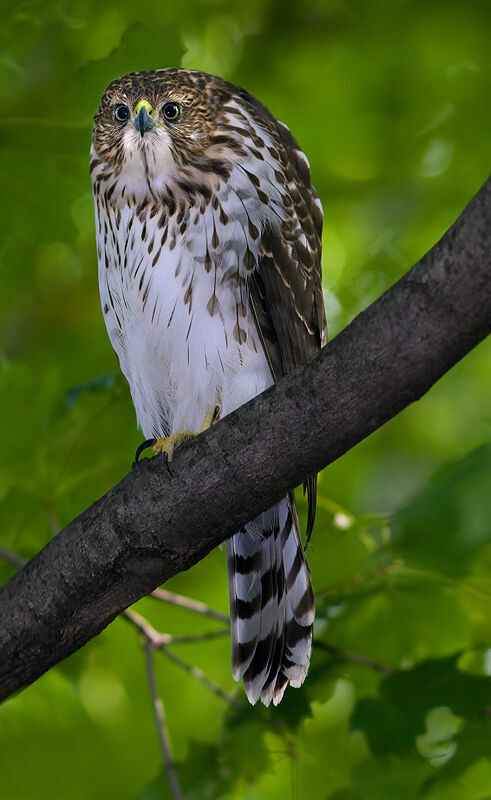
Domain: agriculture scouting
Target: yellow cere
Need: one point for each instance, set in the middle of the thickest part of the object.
(143, 104)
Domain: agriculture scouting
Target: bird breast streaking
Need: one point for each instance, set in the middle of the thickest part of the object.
(209, 249)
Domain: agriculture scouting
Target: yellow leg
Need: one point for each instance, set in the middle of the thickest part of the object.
(211, 416)
(167, 444)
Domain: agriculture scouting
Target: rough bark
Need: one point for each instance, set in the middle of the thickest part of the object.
(153, 525)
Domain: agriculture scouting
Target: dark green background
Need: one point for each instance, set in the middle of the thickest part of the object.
(390, 101)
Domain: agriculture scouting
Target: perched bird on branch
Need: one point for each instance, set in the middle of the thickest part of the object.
(209, 250)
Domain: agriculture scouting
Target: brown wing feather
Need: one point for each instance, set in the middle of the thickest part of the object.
(286, 287)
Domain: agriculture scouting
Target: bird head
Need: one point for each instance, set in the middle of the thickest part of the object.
(154, 128)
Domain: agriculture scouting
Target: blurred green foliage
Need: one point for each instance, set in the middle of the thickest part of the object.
(390, 100)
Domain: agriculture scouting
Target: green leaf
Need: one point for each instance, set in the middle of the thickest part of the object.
(444, 526)
(392, 721)
(158, 789)
(472, 742)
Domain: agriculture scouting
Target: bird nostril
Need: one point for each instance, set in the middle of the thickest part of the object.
(143, 104)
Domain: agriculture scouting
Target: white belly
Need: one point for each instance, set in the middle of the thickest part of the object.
(185, 337)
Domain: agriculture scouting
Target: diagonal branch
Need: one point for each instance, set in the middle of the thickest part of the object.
(153, 525)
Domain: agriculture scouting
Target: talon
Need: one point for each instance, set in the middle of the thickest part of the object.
(165, 458)
(211, 416)
(167, 444)
(143, 446)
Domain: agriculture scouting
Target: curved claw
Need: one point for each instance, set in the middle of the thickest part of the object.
(143, 446)
(165, 456)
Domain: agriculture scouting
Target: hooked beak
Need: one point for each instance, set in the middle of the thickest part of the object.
(143, 122)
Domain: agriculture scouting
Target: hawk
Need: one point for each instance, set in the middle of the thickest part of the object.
(209, 252)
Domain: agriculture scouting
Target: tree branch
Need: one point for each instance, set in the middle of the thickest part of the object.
(153, 525)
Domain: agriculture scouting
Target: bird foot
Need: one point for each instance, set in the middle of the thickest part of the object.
(167, 444)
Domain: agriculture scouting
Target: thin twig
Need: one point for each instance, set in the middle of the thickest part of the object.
(12, 558)
(193, 638)
(198, 637)
(54, 522)
(200, 676)
(143, 626)
(357, 581)
(162, 730)
(159, 639)
(357, 658)
(192, 605)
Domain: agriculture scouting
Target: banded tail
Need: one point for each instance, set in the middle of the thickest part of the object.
(271, 604)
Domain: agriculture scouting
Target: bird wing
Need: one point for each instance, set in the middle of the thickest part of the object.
(286, 287)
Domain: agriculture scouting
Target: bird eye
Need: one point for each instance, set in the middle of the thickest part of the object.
(121, 113)
(171, 111)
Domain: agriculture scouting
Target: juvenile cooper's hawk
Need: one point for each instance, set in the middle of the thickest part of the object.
(209, 249)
